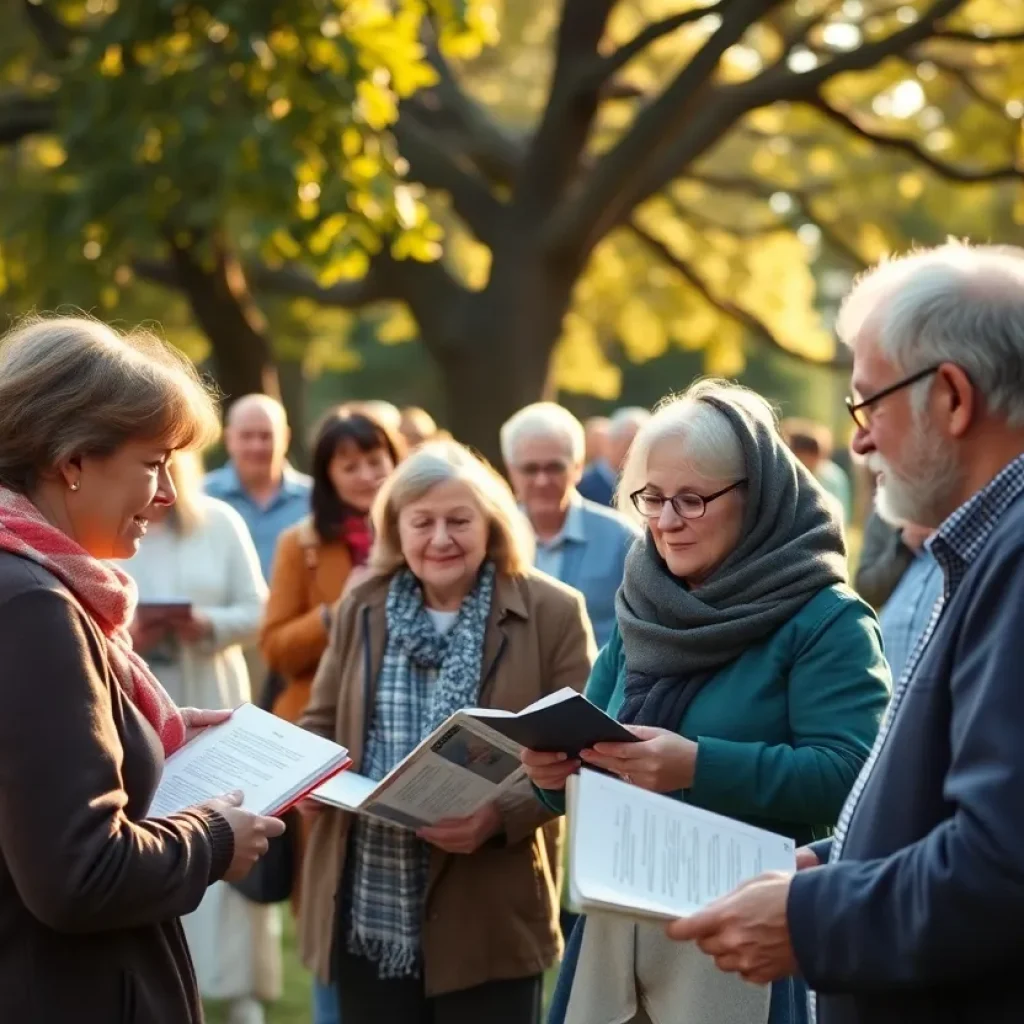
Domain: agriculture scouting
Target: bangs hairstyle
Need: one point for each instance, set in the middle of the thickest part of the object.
(73, 387)
(705, 436)
(344, 426)
(510, 543)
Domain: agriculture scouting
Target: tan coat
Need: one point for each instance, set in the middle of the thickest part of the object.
(307, 575)
(493, 914)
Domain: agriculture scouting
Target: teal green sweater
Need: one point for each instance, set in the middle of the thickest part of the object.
(781, 732)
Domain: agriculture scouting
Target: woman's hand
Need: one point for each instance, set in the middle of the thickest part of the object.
(463, 835)
(146, 635)
(252, 833)
(196, 720)
(663, 761)
(547, 770)
(195, 628)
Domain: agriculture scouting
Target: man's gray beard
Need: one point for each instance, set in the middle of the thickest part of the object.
(925, 498)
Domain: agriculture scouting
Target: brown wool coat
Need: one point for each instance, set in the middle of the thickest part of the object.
(307, 575)
(90, 891)
(493, 914)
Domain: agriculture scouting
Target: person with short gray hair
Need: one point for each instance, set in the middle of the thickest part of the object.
(751, 675)
(578, 542)
(599, 482)
(911, 913)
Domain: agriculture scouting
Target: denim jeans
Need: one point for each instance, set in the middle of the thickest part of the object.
(325, 1003)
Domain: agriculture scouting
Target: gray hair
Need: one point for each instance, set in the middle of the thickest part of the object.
(708, 442)
(71, 386)
(955, 303)
(510, 541)
(544, 420)
(632, 416)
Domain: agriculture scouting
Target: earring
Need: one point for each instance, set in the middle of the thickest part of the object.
(74, 486)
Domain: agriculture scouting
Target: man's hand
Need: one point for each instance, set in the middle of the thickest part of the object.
(746, 932)
(662, 761)
(464, 835)
(806, 858)
(196, 720)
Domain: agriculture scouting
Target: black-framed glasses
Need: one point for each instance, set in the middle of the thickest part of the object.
(861, 411)
(687, 504)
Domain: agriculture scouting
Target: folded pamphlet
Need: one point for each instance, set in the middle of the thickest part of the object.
(274, 763)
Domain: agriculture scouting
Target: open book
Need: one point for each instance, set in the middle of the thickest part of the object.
(647, 855)
(472, 759)
(274, 764)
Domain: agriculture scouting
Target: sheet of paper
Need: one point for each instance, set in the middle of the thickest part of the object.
(657, 855)
(347, 790)
(267, 758)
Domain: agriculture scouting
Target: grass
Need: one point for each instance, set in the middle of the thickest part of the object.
(294, 1005)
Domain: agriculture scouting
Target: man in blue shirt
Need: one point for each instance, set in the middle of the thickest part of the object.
(579, 542)
(905, 615)
(257, 481)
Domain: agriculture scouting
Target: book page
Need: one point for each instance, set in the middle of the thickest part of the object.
(268, 759)
(452, 774)
(657, 856)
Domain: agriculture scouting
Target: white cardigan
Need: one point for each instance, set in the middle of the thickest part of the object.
(217, 569)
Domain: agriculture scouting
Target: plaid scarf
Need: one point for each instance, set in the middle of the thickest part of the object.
(424, 679)
(106, 594)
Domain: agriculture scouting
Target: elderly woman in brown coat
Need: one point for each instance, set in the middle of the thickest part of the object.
(457, 923)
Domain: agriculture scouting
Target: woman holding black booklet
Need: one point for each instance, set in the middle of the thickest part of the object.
(455, 924)
(751, 674)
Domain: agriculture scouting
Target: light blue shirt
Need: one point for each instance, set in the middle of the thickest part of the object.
(265, 522)
(590, 555)
(905, 615)
(550, 555)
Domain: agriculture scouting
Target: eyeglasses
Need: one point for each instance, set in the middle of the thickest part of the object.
(686, 504)
(861, 411)
(532, 469)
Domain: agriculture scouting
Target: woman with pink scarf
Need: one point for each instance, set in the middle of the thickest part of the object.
(90, 889)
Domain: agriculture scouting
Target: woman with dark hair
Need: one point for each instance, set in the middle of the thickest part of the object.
(353, 454)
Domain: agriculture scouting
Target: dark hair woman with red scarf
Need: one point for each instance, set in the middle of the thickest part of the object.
(353, 454)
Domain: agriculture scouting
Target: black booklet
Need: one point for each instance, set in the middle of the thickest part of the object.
(563, 722)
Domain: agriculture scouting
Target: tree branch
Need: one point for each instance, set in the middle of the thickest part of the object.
(54, 35)
(621, 176)
(968, 84)
(432, 166)
(904, 145)
(973, 37)
(553, 157)
(779, 83)
(450, 113)
(607, 66)
(21, 116)
(744, 317)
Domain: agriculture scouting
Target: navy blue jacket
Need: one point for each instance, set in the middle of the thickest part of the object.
(922, 918)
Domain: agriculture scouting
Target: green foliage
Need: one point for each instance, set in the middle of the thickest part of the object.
(265, 120)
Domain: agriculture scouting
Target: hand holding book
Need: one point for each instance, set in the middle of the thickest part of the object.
(661, 761)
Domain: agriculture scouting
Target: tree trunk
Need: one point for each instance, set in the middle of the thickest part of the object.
(497, 357)
(226, 312)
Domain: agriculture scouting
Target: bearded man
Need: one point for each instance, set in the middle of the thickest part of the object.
(912, 912)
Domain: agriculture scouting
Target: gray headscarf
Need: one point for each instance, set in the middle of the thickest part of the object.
(791, 547)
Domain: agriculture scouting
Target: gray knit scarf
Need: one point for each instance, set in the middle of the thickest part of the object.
(791, 547)
(424, 679)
